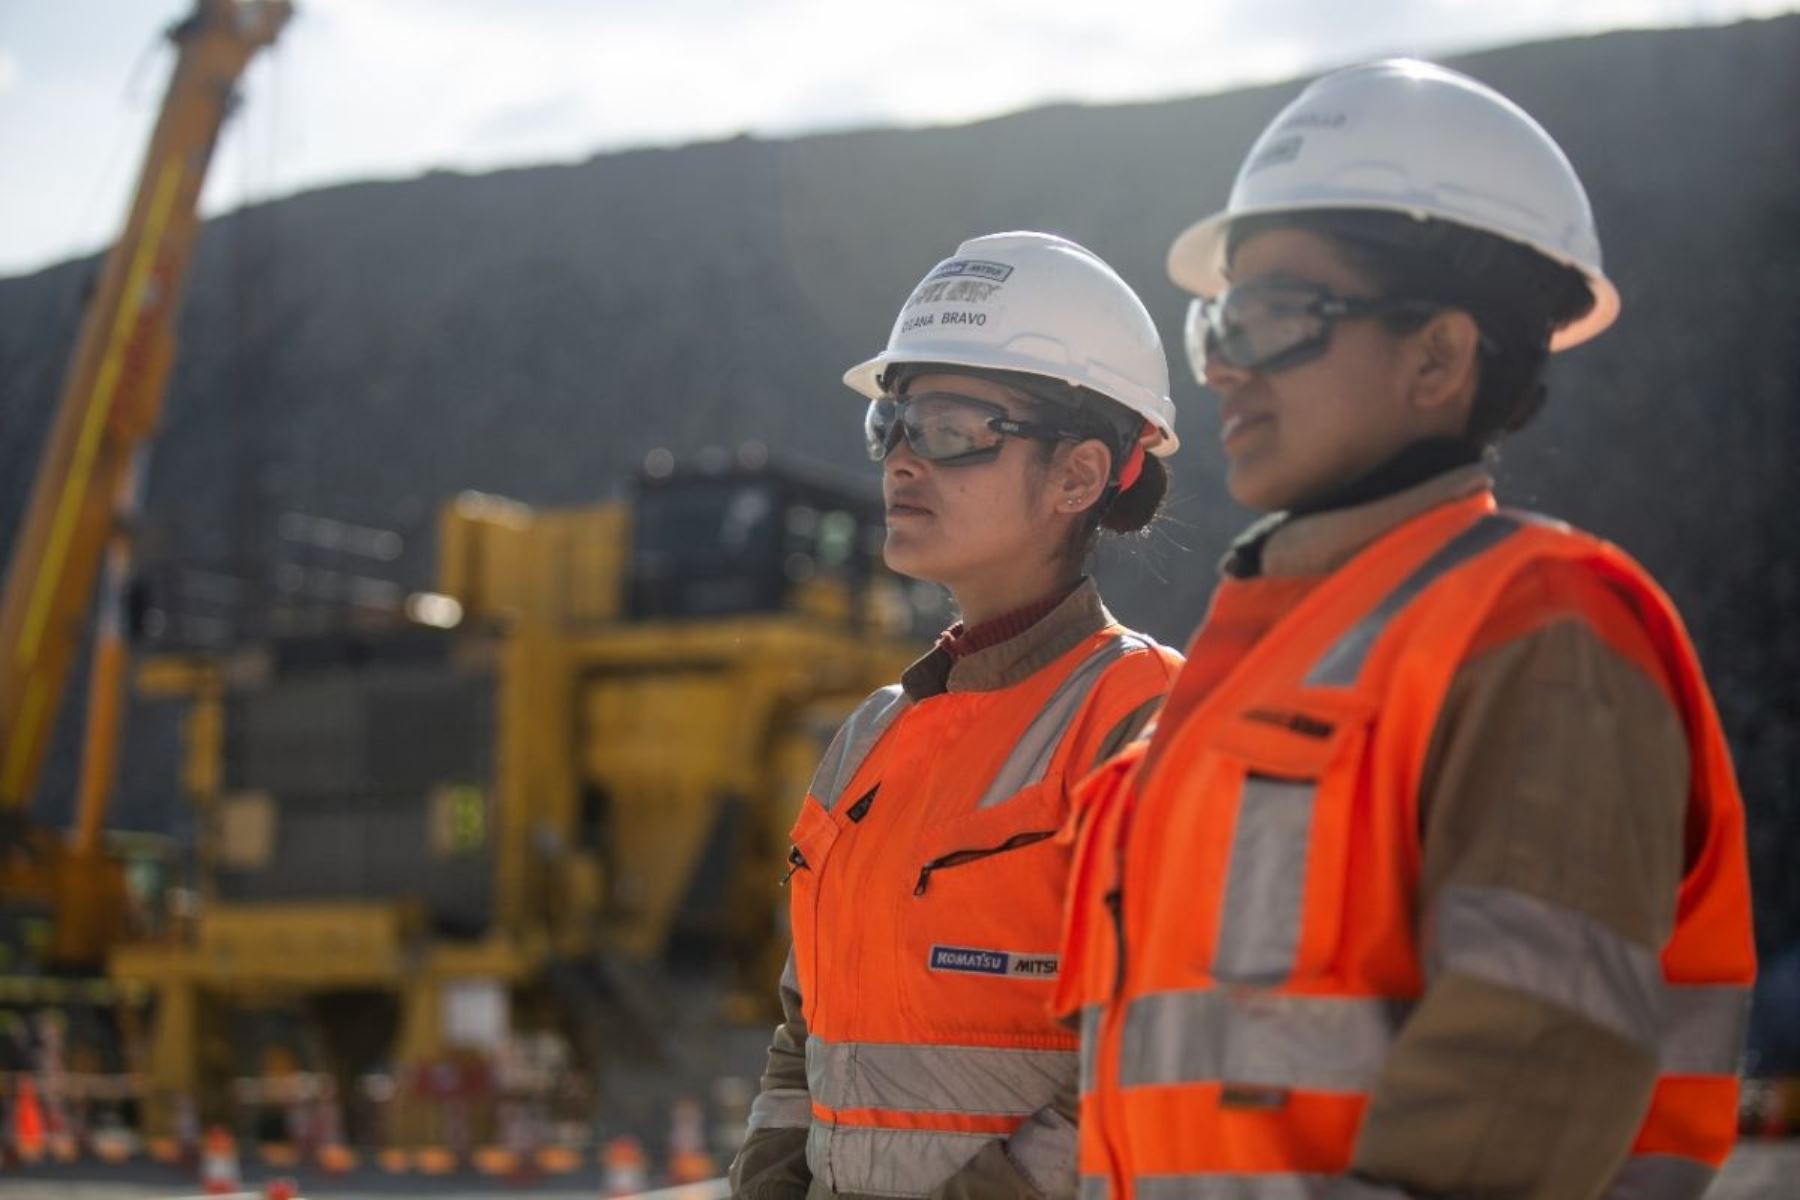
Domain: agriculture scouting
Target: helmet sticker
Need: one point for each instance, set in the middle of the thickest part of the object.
(952, 291)
(998, 272)
(1277, 153)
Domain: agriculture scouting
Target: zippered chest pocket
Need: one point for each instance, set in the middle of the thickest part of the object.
(978, 952)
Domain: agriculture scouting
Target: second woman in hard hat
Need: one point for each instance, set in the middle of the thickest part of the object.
(1021, 406)
(1431, 880)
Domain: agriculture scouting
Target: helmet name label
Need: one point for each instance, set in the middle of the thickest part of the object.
(952, 291)
(1315, 120)
(962, 960)
(998, 272)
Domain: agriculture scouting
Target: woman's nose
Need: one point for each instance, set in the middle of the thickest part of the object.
(1222, 376)
(901, 460)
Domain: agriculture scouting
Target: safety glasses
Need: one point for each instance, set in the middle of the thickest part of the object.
(1276, 324)
(948, 429)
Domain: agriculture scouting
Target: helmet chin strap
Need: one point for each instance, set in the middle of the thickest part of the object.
(1134, 465)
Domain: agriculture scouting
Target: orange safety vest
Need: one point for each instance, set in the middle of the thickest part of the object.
(926, 899)
(1242, 946)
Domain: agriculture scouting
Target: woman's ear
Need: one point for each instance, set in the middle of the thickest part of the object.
(1079, 477)
(1446, 368)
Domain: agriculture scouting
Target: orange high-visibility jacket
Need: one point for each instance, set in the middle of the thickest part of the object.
(926, 902)
(1243, 944)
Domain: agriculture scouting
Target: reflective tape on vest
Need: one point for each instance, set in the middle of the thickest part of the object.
(887, 1162)
(1030, 758)
(1704, 1028)
(1043, 1149)
(1090, 1045)
(1660, 1177)
(1257, 1187)
(1259, 931)
(902, 1077)
(855, 738)
(1262, 1039)
(1343, 662)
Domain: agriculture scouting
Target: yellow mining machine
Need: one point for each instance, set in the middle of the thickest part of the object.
(569, 773)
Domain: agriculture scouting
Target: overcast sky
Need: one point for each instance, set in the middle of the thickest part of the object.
(361, 89)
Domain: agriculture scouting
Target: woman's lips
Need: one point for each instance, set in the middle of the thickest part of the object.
(1235, 426)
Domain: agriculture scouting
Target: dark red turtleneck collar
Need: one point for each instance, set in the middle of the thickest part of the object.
(958, 641)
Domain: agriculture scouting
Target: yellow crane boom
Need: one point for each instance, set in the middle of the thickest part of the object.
(85, 493)
(113, 389)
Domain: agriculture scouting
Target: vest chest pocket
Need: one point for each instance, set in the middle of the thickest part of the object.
(810, 844)
(983, 917)
(1293, 770)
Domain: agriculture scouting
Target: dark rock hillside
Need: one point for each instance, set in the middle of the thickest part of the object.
(364, 351)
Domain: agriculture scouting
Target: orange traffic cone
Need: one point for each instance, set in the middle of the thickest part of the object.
(335, 1158)
(27, 1122)
(281, 1188)
(627, 1171)
(558, 1160)
(218, 1163)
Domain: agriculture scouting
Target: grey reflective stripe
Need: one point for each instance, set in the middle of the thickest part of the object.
(855, 738)
(1230, 1187)
(1554, 953)
(1031, 755)
(1259, 930)
(1261, 1187)
(1043, 1150)
(1095, 1187)
(1660, 1177)
(1341, 664)
(781, 1108)
(1703, 1028)
(1090, 1046)
(887, 1162)
(1317, 1043)
(940, 1079)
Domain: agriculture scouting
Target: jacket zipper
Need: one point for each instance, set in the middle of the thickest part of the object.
(957, 858)
(796, 861)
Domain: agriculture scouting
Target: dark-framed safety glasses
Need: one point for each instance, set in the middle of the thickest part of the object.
(949, 429)
(1271, 325)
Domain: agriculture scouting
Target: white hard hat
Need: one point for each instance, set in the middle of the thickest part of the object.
(1411, 137)
(1037, 304)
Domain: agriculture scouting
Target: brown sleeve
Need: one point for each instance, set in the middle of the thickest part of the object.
(772, 1162)
(1552, 802)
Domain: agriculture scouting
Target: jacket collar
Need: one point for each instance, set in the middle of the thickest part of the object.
(1077, 618)
(1319, 543)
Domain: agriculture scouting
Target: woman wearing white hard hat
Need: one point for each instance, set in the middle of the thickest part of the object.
(1021, 406)
(1431, 878)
